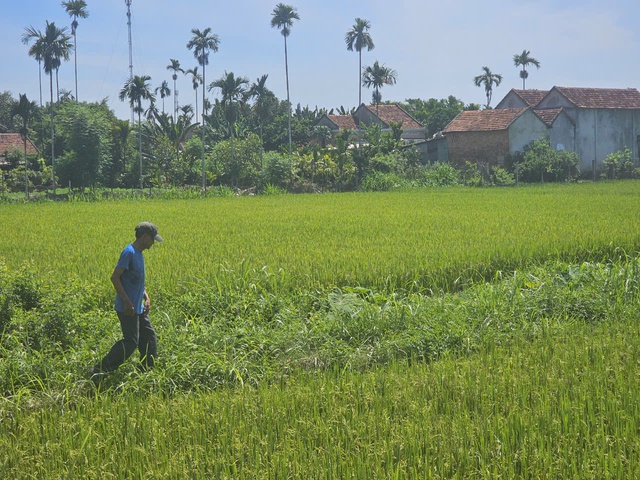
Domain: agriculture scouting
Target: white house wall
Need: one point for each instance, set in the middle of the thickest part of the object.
(562, 134)
(604, 131)
(524, 130)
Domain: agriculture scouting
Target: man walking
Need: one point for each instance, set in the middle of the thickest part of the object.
(132, 304)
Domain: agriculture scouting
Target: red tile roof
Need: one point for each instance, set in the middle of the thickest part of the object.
(531, 97)
(11, 141)
(395, 114)
(344, 122)
(625, 98)
(484, 120)
(548, 116)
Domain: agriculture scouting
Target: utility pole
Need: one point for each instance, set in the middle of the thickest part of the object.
(128, 3)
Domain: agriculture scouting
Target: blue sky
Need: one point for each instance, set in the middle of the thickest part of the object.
(436, 47)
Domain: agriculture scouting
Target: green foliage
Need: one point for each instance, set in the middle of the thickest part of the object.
(239, 161)
(85, 130)
(473, 175)
(277, 169)
(539, 162)
(500, 176)
(380, 181)
(440, 175)
(619, 165)
(434, 114)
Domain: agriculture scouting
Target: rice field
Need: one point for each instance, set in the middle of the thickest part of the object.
(447, 333)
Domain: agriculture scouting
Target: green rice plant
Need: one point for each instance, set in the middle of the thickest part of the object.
(562, 406)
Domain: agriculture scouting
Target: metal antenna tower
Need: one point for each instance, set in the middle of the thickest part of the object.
(128, 3)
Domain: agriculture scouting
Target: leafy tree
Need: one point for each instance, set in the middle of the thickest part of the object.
(524, 60)
(136, 90)
(282, 18)
(202, 42)
(25, 109)
(434, 114)
(76, 9)
(239, 164)
(619, 164)
(488, 79)
(358, 38)
(174, 66)
(87, 133)
(539, 161)
(6, 116)
(167, 140)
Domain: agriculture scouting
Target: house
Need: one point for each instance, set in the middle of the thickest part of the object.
(489, 136)
(521, 98)
(383, 115)
(602, 121)
(593, 122)
(10, 142)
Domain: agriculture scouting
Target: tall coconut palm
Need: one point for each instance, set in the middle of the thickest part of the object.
(202, 43)
(25, 109)
(524, 60)
(174, 66)
(76, 9)
(55, 45)
(358, 38)
(136, 90)
(488, 79)
(282, 18)
(260, 92)
(122, 130)
(233, 91)
(164, 91)
(36, 50)
(196, 80)
(377, 76)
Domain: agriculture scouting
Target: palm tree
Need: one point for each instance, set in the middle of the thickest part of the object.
(164, 91)
(358, 37)
(233, 91)
(260, 92)
(122, 129)
(282, 18)
(196, 80)
(377, 76)
(35, 51)
(75, 9)
(174, 66)
(489, 79)
(201, 43)
(524, 60)
(136, 90)
(54, 45)
(25, 109)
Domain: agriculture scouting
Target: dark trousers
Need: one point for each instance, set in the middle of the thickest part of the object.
(137, 333)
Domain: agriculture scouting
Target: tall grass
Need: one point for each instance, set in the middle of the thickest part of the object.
(563, 406)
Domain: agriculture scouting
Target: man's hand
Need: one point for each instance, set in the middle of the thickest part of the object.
(129, 309)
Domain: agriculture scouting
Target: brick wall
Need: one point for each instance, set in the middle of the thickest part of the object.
(485, 147)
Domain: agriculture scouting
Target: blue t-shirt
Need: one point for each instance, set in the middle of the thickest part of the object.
(133, 277)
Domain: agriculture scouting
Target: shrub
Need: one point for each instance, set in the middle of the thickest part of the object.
(382, 182)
